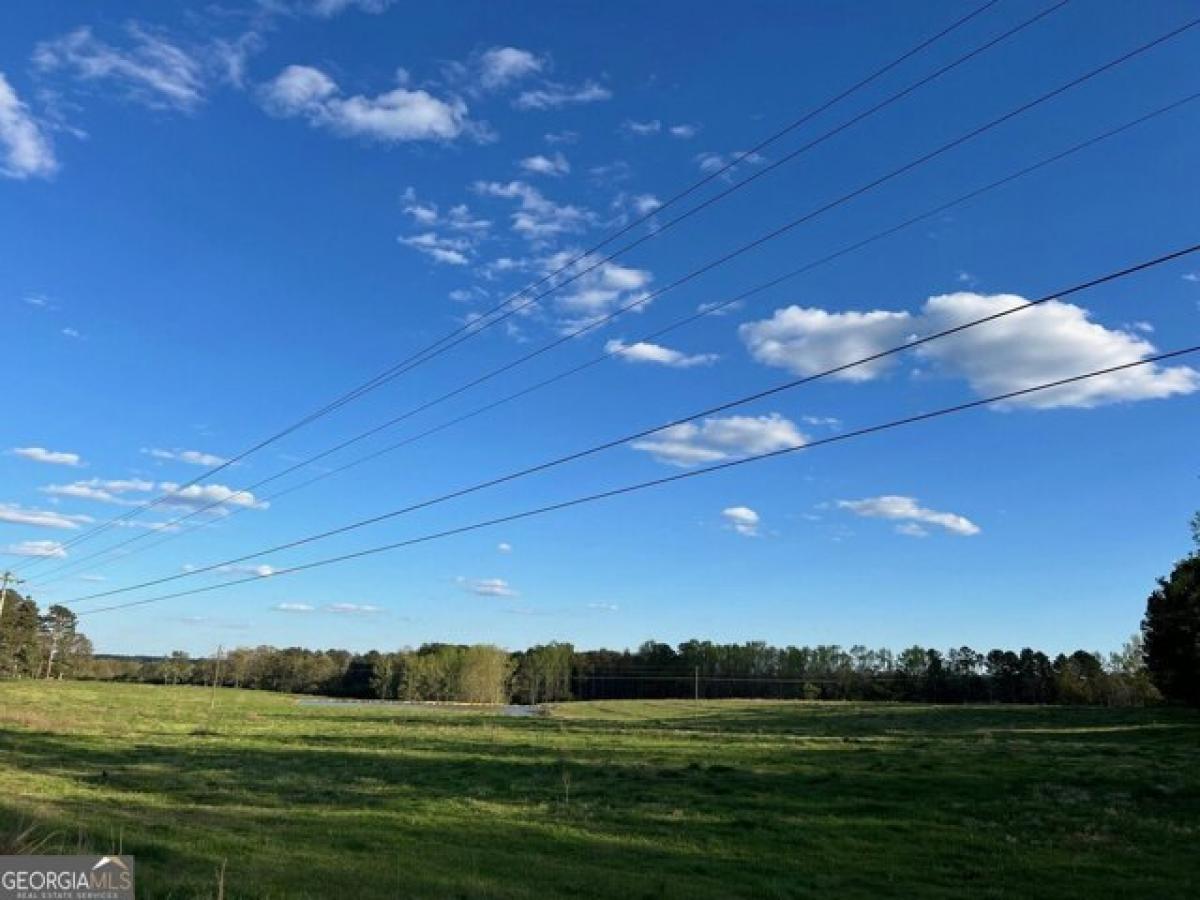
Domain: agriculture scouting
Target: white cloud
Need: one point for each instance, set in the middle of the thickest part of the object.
(191, 497)
(259, 571)
(808, 341)
(102, 490)
(152, 71)
(553, 96)
(352, 609)
(229, 57)
(1191, 276)
(488, 587)
(742, 519)
(595, 294)
(53, 457)
(536, 218)
(645, 203)
(645, 352)
(193, 457)
(293, 607)
(554, 166)
(48, 549)
(329, 8)
(449, 251)
(1048, 342)
(298, 88)
(500, 66)
(719, 307)
(423, 214)
(604, 607)
(457, 218)
(641, 129)
(684, 132)
(720, 439)
(504, 547)
(42, 518)
(398, 115)
(25, 150)
(909, 512)
(561, 137)
(822, 421)
(197, 495)
(710, 162)
(71, 333)
(93, 578)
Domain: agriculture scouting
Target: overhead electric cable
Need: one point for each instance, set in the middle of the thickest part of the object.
(472, 328)
(646, 432)
(75, 564)
(657, 482)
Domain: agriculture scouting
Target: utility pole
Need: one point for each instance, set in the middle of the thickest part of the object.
(6, 579)
(697, 684)
(216, 677)
(53, 651)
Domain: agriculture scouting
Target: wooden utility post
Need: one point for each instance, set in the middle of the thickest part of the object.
(6, 579)
(216, 677)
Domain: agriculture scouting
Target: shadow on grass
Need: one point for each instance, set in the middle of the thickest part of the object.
(878, 802)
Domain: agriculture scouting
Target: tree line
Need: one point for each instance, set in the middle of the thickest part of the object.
(1161, 662)
(557, 672)
(34, 644)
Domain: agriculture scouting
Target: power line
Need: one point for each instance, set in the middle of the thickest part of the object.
(678, 323)
(473, 328)
(762, 239)
(646, 432)
(659, 482)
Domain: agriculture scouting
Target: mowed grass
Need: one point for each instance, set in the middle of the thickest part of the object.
(625, 799)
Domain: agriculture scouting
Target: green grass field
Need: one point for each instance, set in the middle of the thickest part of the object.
(663, 799)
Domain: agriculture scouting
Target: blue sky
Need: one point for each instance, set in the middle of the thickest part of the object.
(214, 222)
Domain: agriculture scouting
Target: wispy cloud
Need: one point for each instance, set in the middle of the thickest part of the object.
(41, 518)
(911, 514)
(719, 439)
(641, 129)
(553, 95)
(555, 166)
(152, 70)
(742, 519)
(352, 609)
(45, 549)
(328, 8)
(25, 148)
(446, 250)
(536, 218)
(192, 457)
(52, 457)
(645, 352)
(118, 491)
(488, 587)
(501, 66)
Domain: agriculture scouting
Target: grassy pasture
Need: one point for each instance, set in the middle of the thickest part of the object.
(625, 799)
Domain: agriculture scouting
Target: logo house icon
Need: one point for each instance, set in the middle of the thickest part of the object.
(110, 861)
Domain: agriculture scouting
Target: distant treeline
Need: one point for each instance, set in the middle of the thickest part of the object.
(557, 671)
